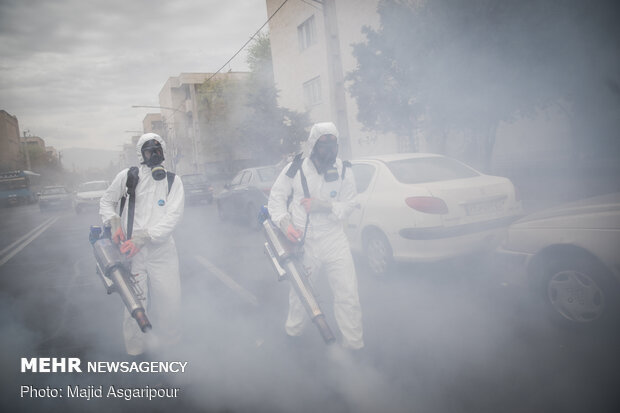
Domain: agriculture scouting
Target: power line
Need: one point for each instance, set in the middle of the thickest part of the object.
(246, 43)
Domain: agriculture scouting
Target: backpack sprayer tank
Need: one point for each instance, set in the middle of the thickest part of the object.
(113, 270)
(286, 261)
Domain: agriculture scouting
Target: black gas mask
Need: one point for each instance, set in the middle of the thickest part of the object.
(324, 156)
(153, 155)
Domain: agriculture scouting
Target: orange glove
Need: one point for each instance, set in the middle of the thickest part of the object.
(133, 246)
(293, 234)
(117, 231)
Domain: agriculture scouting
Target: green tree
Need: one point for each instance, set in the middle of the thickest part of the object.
(452, 65)
(240, 118)
(270, 131)
(219, 117)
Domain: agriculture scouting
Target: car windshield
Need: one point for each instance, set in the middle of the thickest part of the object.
(422, 170)
(93, 186)
(267, 174)
(54, 191)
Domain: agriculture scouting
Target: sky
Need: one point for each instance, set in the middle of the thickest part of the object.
(71, 70)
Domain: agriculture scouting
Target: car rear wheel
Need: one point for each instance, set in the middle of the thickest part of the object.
(577, 290)
(378, 251)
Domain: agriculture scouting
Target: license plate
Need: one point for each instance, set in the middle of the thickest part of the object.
(484, 207)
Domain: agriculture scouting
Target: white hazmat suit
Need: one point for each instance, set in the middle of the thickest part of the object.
(156, 266)
(326, 246)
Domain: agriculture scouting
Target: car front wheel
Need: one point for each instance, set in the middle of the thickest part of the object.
(577, 290)
(379, 255)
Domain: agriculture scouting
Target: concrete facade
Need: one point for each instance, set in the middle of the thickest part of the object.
(183, 130)
(10, 149)
(35, 142)
(152, 123)
(519, 142)
(295, 64)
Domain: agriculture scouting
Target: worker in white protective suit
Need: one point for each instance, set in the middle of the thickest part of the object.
(320, 214)
(159, 203)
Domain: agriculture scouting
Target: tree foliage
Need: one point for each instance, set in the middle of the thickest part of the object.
(453, 65)
(271, 131)
(240, 117)
(219, 100)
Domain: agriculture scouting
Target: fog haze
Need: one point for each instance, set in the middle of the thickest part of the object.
(71, 70)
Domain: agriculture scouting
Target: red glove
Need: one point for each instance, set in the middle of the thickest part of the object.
(129, 248)
(133, 246)
(118, 236)
(293, 234)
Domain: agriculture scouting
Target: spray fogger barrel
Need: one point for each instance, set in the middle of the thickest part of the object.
(287, 264)
(113, 270)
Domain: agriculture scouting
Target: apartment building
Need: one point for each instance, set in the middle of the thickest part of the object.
(183, 129)
(10, 153)
(311, 46)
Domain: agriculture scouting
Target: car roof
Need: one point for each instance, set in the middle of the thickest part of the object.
(398, 156)
(93, 182)
(595, 204)
(256, 168)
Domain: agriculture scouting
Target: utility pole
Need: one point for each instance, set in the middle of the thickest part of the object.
(335, 77)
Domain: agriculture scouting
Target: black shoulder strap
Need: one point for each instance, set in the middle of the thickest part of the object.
(170, 176)
(304, 183)
(295, 165)
(132, 182)
(292, 171)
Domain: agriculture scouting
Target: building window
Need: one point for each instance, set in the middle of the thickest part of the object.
(312, 91)
(306, 34)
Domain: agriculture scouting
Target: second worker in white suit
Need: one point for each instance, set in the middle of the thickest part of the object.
(159, 204)
(320, 214)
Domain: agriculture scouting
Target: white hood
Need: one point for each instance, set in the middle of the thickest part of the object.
(147, 137)
(318, 130)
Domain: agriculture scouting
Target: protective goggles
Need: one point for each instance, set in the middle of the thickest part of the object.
(151, 148)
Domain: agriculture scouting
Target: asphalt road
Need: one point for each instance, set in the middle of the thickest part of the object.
(450, 337)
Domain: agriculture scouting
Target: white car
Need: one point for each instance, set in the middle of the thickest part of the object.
(572, 256)
(421, 207)
(88, 195)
